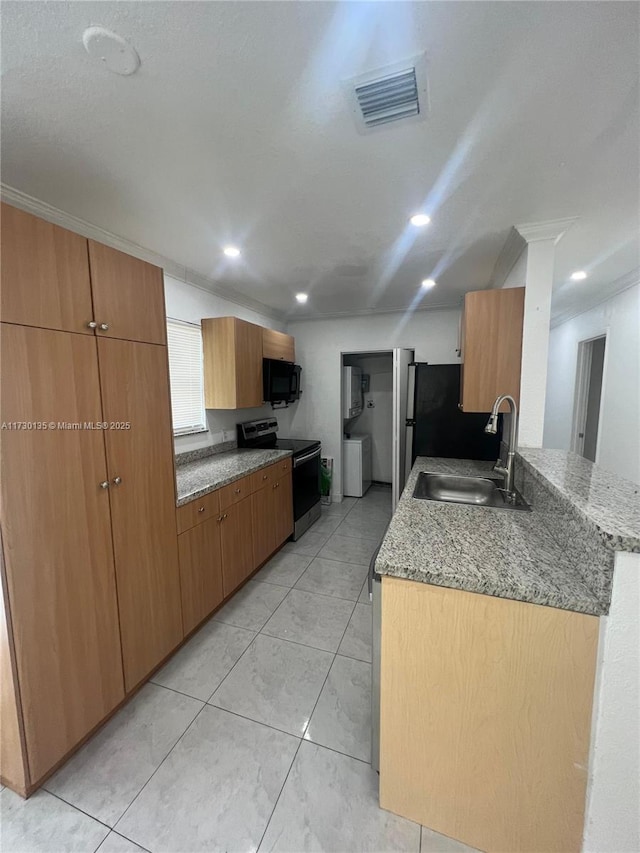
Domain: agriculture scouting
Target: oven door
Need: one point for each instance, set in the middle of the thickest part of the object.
(306, 482)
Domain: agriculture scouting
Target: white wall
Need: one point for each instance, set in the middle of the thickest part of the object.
(619, 445)
(319, 344)
(190, 303)
(612, 823)
(378, 421)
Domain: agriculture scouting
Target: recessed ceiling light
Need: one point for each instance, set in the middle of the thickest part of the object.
(580, 275)
(428, 283)
(302, 297)
(420, 219)
(231, 251)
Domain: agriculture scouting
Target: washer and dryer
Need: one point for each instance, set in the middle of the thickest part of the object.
(356, 461)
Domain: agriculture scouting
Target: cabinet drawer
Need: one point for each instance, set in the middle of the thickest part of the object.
(263, 477)
(282, 467)
(235, 492)
(198, 510)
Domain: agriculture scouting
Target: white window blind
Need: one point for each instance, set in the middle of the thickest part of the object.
(185, 371)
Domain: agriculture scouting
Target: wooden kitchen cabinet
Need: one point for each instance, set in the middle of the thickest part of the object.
(262, 514)
(491, 347)
(45, 274)
(197, 511)
(236, 537)
(272, 511)
(278, 345)
(60, 583)
(128, 296)
(200, 572)
(134, 380)
(232, 363)
(235, 492)
(485, 716)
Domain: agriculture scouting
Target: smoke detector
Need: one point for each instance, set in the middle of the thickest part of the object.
(112, 50)
(398, 92)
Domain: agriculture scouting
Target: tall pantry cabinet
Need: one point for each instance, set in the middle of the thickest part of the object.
(91, 588)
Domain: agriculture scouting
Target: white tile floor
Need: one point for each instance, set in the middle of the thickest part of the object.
(255, 736)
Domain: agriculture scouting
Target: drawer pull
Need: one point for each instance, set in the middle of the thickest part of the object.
(265, 476)
(201, 509)
(237, 491)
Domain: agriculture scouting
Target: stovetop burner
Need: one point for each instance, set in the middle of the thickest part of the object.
(264, 434)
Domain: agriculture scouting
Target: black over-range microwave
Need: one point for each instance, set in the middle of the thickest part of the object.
(281, 380)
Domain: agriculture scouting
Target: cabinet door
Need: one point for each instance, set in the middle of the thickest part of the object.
(491, 347)
(200, 572)
(278, 345)
(128, 296)
(45, 274)
(249, 391)
(57, 541)
(264, 529)
(135, 390)
(283, 509)
(236, 533)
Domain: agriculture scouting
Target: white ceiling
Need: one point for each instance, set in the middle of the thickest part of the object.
(237, 129)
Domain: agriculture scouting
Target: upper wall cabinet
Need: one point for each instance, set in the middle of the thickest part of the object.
(45, 274)
(232, 363)
(278, 345)
(491, 347)
(128, 296)
(55, 279)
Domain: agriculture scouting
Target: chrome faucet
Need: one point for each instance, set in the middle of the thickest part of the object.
(508, 471)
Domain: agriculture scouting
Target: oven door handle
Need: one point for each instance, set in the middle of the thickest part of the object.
(300, 460)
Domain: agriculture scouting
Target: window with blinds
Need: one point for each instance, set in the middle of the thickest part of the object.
(184, 342)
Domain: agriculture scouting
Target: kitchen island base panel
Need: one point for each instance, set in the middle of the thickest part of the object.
(485, 716)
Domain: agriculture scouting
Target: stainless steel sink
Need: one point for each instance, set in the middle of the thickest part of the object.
(475, 491)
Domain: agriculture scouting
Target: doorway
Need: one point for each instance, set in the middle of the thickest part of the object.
(374, 406)
(589, 380)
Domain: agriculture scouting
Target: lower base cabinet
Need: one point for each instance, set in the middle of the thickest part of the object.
(218, 553)
(200, 572)
(236, 545)
(485, 721)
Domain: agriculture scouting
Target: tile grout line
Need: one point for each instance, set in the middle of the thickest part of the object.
(204, 705)
(315, 705)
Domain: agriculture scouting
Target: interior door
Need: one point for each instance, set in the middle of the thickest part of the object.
(134, 379)
(128, 296)
(56, 531)
(402, 358)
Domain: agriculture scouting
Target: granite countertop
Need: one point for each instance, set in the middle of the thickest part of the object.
(609, 504)
(197, 478)
(497, 552)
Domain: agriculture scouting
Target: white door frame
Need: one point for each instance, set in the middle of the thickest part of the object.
(402, 415)
(583, 378)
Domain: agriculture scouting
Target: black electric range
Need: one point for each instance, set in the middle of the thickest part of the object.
(263, 435)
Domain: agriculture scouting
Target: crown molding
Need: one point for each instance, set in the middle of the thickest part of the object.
(371, 312)
(551, 229)
(170, 267)
(514, 246)
(625, 282)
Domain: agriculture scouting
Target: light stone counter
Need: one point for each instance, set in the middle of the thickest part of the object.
(197, 478)
(508, 554)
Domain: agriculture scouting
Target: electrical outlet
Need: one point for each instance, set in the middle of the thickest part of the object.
(228, 434)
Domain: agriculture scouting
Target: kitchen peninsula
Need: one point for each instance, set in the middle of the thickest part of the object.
(489, 637)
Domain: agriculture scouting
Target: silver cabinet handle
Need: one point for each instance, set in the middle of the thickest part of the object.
(237, 491)
(92, 324)
(104, 484)
(265, 476)
(104, 327)
(117, 481)
(200, 509)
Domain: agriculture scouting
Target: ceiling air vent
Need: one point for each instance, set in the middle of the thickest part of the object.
(395, 93)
